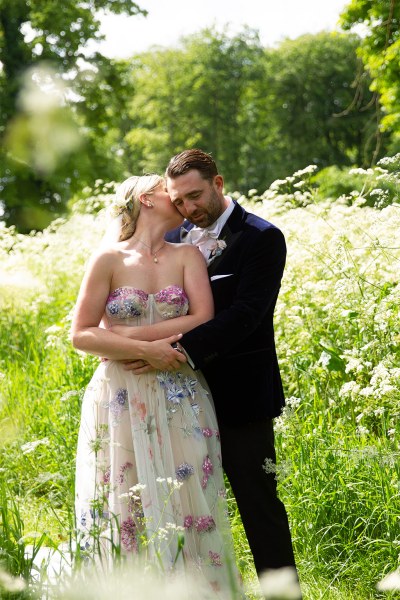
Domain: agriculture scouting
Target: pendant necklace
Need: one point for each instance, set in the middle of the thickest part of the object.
(154, 254)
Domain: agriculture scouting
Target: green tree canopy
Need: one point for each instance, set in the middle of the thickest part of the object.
(380, 51)
(310, 100)
(262, 113)
(55, 34)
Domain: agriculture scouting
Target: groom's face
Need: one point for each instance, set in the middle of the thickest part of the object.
(197, 199)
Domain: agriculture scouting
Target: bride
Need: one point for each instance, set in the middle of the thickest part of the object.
(148, 470)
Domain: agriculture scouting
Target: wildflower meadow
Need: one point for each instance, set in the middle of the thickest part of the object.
(338, 342)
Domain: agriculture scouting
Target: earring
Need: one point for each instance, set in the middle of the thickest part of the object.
(150, 204)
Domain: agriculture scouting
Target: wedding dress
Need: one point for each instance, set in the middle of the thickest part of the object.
(149, 479)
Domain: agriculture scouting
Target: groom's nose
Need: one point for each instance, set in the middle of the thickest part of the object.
(189, 207)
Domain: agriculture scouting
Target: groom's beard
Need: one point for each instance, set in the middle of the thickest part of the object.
(207, 215)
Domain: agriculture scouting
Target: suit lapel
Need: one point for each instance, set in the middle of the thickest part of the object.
(184, 230)
(230, 233)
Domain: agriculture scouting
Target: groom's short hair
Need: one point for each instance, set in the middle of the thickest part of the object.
(192, 159)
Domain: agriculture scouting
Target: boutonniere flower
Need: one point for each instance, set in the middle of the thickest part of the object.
(217, 247)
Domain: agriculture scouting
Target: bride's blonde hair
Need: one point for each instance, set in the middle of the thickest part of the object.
(127, 197)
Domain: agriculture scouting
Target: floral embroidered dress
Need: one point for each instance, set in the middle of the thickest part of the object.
(148, 467)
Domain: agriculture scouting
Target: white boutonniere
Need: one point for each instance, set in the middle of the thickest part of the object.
(216, 249)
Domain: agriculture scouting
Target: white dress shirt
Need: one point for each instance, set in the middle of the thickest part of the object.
(205, 237)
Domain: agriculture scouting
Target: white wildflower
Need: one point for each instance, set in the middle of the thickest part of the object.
(360, 430)
(280, 584)
(31, 446)
(139, 487)
(390, 583)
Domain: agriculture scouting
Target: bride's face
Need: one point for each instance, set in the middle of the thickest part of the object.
(165, 208)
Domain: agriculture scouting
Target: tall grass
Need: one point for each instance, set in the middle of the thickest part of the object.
(338, 343)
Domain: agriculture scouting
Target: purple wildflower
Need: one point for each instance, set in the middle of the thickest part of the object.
(106, 476)
(128, 535)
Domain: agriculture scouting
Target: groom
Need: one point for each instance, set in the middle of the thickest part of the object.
(236, 349)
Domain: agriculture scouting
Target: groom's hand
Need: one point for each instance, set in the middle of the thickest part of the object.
(138, 367)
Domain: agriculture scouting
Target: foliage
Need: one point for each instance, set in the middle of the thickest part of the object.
(339, 349)
(73, 118)
(376, 186)
(37, 36)
(310, 90)
(379, 51)
(194, 96)
(258, 111)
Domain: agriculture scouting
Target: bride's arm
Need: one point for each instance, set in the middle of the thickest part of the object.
(201, 306)
(88, 336)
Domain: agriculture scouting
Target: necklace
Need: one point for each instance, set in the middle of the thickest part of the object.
(154, 254)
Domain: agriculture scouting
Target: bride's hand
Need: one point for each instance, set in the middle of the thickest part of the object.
(159, 355)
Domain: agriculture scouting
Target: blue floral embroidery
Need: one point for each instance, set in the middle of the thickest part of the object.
(184, 471)
(126, 303)
(195, 408)
(190, 385)
(175, 393)
(118, 404)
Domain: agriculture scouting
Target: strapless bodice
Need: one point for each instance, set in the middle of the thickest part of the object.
(127, 303)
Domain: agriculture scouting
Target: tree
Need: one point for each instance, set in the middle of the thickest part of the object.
(262, 113)
(54, 34)
(309, 104)
(379, 51)
(193, 96)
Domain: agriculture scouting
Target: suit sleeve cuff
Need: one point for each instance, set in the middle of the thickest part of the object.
(191, 363)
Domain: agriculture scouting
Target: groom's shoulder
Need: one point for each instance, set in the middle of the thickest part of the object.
(252, 221)
(174, 235)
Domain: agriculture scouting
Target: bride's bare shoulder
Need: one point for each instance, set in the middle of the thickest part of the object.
(183, 248)
(106, 255)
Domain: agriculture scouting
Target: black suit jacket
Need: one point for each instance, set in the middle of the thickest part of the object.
(236, 349)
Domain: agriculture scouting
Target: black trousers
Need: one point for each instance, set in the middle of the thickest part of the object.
(244, 450)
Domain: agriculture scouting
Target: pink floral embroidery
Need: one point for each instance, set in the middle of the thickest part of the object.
(172, 301)
(122, 471)
(207, 432)
(204, 524)
(215, 559)
(188, 522)
(207, 470)
(172, 294)
(207, 466)
(139, 408)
